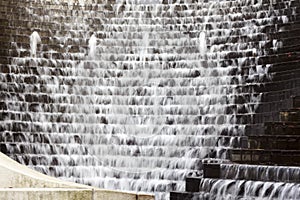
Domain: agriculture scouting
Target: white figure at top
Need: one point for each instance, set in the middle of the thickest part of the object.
(34, 40)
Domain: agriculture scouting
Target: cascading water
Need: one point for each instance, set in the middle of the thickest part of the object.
(261, 173)
(241, 189)
(138, 102)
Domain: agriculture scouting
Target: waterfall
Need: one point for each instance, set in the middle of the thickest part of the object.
(228, 189)
(135, 95)
(261, 173)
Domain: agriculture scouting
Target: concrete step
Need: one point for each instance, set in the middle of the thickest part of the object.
(19, 182)
(45, 193)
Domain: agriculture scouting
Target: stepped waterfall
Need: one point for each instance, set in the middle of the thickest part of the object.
(135, 95)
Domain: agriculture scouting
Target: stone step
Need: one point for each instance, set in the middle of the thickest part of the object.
(123, 86)
(178, 7)
(65, 67)
(189, 196)
(290, 41)
(257, 173)
(268, 107)
(285, 66)
(262, 156)
(149, 60)
(131, 184)
(109, 161)
(62, 110)
(167, 17)
(104, 70)
(105, 150)
(217, 20)
(75, 39)
(275, 97)
(278, 58)
(106, 15)
(136, 130)
(291, 48)
(187, 82)
(143, 55)
(246, 172)
(127, 52)
(56, 160)
(192, 184)
(272, 28)
(64, 172)
(236, 189)
(286, 34)
(91, 72)
(296, 101)
(126, 105)
(157, 119)
(219, 26)
(272, 89)
(291, 115)
(105, 95)
(163, 2)
(259, 118)
(285, 75)
(226, 129)
(283, 142)
(121, 139)
(282, 128)
(136, 116)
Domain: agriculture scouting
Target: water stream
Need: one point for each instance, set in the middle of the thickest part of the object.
(135, 101)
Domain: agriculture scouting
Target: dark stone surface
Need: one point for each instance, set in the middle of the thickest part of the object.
(211, 171)
(283, 142)
(296, 102)
(189, 196)
(192, 184)
(282, 128)
(273, 157)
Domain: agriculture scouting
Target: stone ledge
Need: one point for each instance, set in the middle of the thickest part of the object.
(265, 157)
(19, 182)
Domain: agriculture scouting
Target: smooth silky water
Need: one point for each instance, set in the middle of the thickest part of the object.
(155, 90)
